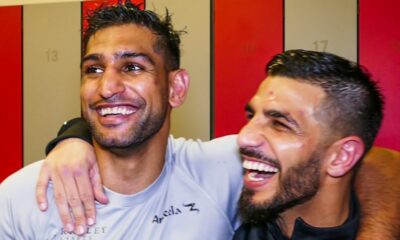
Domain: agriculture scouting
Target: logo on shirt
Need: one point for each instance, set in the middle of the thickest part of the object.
(91, 233)
(174, 210)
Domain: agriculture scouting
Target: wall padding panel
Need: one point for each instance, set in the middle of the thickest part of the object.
(322, 25)
(192, 119)
(379, 46)
(246, 35)
(51, 72)
(11, 80)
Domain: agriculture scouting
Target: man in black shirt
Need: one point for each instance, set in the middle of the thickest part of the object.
(310, 124)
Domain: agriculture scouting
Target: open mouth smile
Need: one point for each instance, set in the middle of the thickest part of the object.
(111, 115)
(258, 173)
(117, 110)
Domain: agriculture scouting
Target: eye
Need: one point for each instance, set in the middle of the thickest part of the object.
(280, 125)
(93, 69)
(249, 115)
(131, 67)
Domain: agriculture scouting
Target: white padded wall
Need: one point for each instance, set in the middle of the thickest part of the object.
(50, 71)
(192, 120)
(322, 25)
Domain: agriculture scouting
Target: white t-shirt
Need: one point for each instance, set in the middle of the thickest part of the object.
(195, 197)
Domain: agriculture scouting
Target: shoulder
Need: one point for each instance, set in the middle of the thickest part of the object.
(215, 149)
(26, 176)
(19, 187)
(210, 156)
(20, 217)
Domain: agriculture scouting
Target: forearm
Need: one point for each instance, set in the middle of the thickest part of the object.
(74, 128)
(378, 188)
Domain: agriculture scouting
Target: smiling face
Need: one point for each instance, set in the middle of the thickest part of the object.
(280, 147)
(124, 91)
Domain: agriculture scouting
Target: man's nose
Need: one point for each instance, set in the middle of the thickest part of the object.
(111, 84)
(251, 136)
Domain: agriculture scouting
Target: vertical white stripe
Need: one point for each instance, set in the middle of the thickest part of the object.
(322, 25)
(192, 120)
(51, 72)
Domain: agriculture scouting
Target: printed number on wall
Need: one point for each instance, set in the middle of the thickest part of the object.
(52, 55)
(320, 45)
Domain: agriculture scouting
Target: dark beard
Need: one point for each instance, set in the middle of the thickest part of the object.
(299, 185)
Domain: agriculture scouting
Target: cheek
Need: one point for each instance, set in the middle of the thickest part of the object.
(288, 145)
(87, 91)
(150, 89)
(290, 151)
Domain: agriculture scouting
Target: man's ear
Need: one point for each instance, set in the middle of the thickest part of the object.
(345, 153)
(178, 87)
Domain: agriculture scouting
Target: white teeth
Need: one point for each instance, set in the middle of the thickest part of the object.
(259, 166)
(252, 177)
(116, 110)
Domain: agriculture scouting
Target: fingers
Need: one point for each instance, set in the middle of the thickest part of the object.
(72, 166)
(74, 201)
(86, 197)
(41, 188)
(59, 195)
(97, 185)
(62, 204)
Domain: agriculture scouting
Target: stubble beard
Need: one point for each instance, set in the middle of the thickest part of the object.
(135, 137)
(300, 184)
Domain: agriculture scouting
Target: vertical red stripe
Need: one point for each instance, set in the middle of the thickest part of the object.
(11, 67)
(246, 35)
(379, 51)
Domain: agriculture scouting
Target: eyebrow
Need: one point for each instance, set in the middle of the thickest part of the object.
(281, 115)
(119, 55)
(91, 57)
(275, 114)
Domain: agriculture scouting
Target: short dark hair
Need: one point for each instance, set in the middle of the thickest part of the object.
(354, 103)
(128, 13)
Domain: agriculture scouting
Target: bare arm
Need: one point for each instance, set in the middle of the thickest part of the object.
(378, 188)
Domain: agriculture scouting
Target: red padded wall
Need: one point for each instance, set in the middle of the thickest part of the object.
(246, 35)
(379, 51)
(11, 78)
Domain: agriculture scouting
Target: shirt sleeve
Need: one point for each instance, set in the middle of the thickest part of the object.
(74, 128)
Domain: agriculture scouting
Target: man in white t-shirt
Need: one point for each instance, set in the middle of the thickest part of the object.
(131, 80)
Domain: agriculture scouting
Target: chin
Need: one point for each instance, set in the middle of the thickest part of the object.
(255, 209)
(260, 198)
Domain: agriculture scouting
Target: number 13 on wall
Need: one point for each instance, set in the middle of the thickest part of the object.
(52, 55)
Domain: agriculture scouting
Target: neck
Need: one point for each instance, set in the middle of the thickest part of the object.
(328, 208)
(132, 172)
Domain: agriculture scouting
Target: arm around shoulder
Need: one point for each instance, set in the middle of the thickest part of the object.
(74, 128)
(378, 188)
